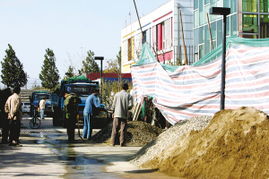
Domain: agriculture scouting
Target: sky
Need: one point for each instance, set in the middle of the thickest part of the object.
(69, 27)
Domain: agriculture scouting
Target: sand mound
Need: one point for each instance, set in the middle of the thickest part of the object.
(157, 149)
(138, 133)
(234, 145)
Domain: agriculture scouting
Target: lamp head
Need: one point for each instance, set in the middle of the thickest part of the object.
(220, 11)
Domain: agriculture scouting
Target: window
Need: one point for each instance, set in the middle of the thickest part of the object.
(201, 13)
(234, 25)
(159, 38)
(167, 34)
(206, 1)
(131, 48)
(201, 35)
(264, 26)
(154, 37)
(144, 38)
(196, 18)
(250, 23)
(219, 32)
(250, 5)
(233, 6)
(264, 6)
(196, 4)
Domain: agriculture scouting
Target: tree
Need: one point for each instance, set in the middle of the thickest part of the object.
(70, 72)
(89, 65)
(12, 70)
(49, 74)
(113, 66)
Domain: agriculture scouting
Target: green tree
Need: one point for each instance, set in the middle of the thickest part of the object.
(12, 70)
(113, 66)
(119, 60)
(89, 65)
(70, 72)
(49, 74)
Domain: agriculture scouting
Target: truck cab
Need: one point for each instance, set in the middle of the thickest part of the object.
(35, 99)
(82, 88)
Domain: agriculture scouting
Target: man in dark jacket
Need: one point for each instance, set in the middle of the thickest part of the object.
(4, 94)
(71, 111)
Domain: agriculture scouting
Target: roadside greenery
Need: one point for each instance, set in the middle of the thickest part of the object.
(89, 65)
(12, 70)
(49, 74)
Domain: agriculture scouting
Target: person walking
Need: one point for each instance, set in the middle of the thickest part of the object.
(13, 110)
(71, 111)
(92, 102)
(121, 104)
(42, 107)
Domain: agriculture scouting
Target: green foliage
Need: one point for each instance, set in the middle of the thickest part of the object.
(70, 72)
(109, 89)
(12, 70)
(49, 74)
(89, 65)
(113, 66)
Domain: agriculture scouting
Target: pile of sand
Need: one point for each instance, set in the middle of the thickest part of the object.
(138, 134)
(235, 144)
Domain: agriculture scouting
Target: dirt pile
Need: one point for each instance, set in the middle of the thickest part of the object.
(158, 148)
(234, 145)
(138, 133)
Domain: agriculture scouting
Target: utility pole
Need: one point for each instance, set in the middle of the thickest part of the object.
(224, 12)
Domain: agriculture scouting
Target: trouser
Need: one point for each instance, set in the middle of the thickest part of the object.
(70, 128)
(5, 130)
(87, 131)
(42, 111)
(122, 124)
(15, 129)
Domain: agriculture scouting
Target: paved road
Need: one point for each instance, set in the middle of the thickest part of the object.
(47, 154)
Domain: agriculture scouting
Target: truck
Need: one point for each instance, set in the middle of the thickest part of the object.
(82, 87)
(36, 96)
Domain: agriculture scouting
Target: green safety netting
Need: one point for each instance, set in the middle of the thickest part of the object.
(77, 78)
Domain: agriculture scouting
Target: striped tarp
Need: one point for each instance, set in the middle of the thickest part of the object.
(195, 90)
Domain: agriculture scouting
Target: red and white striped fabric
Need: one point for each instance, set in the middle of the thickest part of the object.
(195, 90)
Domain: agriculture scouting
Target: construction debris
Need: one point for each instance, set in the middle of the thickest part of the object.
(139, 133)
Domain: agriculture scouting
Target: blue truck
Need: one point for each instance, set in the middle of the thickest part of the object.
(50, 102)
(82, 87)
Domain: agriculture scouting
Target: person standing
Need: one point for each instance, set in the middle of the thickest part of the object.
(71, 111)
(3, 115)
(92, 102)
(121, 104)
(42, 107)
(13, 110)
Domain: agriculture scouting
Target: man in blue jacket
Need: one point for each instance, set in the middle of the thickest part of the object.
(92, 102)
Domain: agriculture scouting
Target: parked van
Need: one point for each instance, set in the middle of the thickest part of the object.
(25, 107)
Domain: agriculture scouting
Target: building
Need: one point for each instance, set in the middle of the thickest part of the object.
(127, 77)
(162, 29)
(248, 19)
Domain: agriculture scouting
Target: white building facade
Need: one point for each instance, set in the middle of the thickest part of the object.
(168, 30)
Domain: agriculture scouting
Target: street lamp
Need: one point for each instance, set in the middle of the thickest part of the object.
(101, 72)
(224, 12)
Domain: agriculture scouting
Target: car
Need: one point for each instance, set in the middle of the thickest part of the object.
(26, 107)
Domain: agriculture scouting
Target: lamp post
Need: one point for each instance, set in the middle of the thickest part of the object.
(101, 72)
(224, 12)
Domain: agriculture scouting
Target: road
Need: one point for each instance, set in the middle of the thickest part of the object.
(47, 154)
